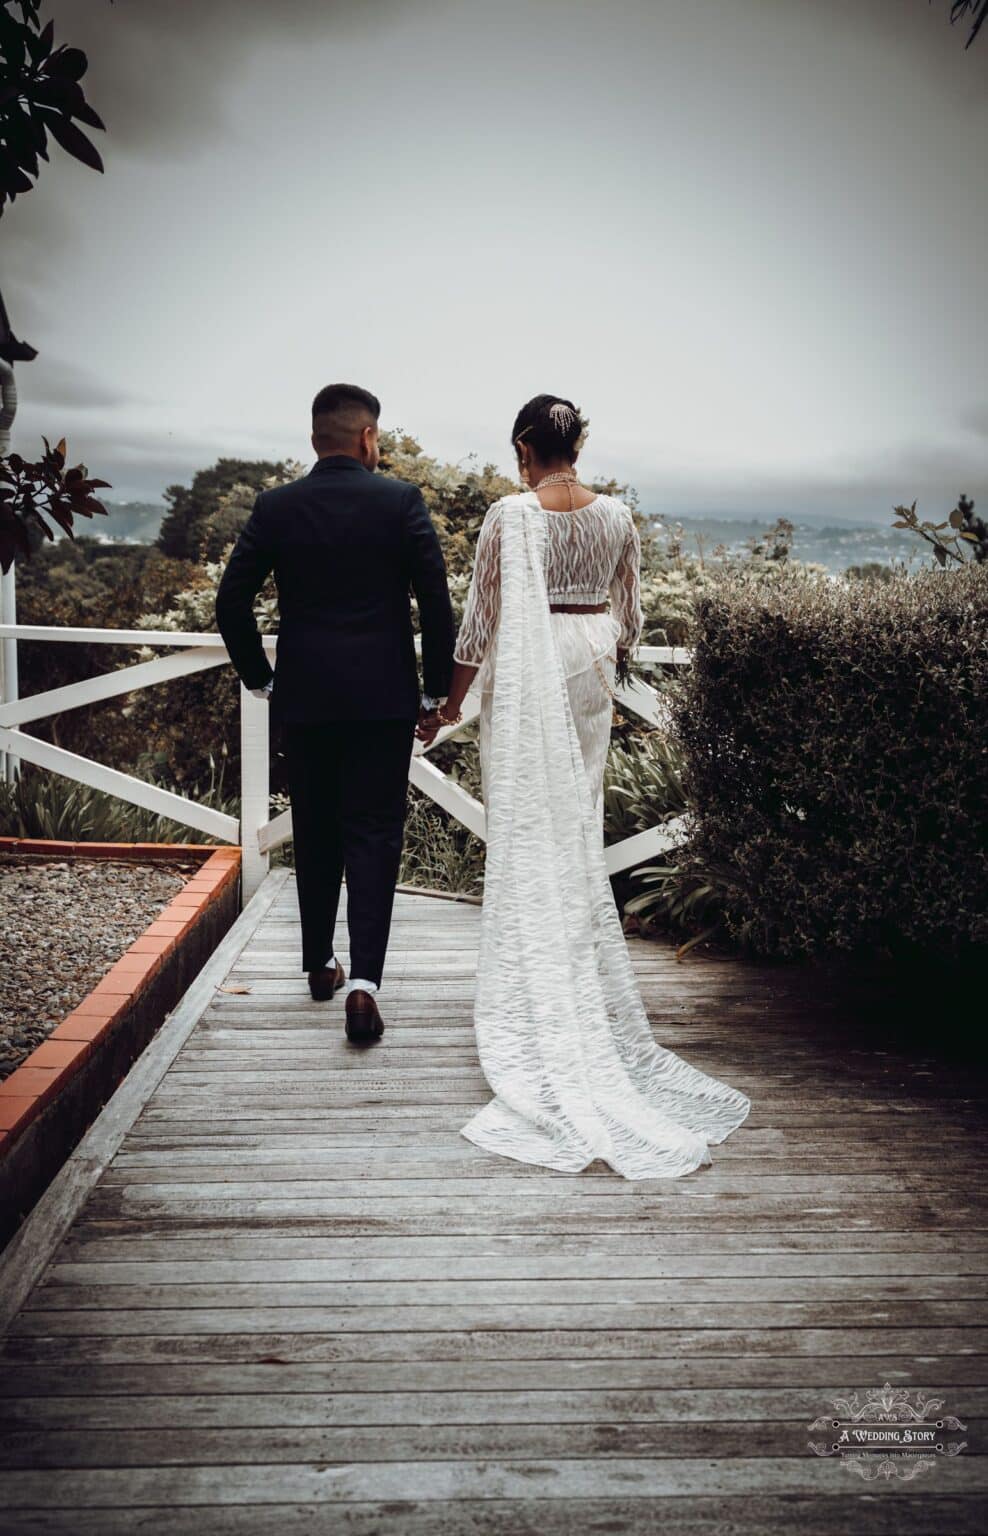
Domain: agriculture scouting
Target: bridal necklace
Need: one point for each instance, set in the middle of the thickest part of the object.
(567, 477)
(560, 477)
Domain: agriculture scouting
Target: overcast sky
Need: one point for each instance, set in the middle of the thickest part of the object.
(748, 237)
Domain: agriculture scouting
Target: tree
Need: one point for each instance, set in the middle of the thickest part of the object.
(186, 525)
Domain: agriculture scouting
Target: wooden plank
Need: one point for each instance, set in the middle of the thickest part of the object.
(260, 1257)
(410, 1167)
(885, 1250)
(200, 1364)
(104, 1286)
(897, 1317)
(476, 1213)
(601, 1438)
(697, 1410)
(117, 1261)
(396, 1148)
(837, 1514)
(332, 1127)
(299, 1179)
(449, 1481)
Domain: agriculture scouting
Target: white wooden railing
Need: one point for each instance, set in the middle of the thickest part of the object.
(256, 831)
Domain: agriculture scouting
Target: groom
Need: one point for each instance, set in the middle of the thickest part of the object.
(345, 546)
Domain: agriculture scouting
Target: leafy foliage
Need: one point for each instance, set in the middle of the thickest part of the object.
(40, 95)
(870, 570)
(834, 739)
(679, 897)
(32, 493)
(967, 541)
(41, 804)
(438, 852)
(642, 785)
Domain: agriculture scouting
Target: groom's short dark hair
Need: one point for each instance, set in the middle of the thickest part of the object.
(341, 411)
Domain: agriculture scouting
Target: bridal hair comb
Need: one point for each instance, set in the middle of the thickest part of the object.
(562, 416)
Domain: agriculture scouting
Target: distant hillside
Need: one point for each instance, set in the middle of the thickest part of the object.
(835, 546)
(128, 522)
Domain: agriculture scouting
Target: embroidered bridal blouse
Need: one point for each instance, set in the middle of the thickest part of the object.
(593, 554)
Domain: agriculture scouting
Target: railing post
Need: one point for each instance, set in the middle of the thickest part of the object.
(255, 788)
(10, 764)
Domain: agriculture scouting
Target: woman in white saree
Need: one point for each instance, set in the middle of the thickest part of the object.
(562, 1033)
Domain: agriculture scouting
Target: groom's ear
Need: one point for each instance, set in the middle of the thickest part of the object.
(370, 450)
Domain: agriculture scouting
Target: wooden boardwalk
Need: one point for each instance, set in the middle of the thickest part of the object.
(296, 1300)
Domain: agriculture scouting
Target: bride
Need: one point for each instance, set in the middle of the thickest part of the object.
(562, 1033)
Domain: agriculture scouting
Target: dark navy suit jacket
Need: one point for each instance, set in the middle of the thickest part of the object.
(347, 547)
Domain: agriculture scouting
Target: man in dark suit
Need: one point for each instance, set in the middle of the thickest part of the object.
(345, 546)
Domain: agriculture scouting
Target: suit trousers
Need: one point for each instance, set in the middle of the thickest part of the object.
(348, 787)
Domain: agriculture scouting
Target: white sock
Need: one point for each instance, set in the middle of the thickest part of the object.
(358, 981)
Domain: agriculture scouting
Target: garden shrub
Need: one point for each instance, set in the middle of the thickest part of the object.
(835, 745)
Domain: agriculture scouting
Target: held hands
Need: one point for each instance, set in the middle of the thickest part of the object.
(428, 726)
(430, 721)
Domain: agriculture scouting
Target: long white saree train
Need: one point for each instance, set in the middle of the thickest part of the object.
(562, 1034)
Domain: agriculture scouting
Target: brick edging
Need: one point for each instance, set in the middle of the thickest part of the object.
(42, 1076)
(170, 853)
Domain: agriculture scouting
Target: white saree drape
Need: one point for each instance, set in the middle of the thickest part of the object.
(562, 1033)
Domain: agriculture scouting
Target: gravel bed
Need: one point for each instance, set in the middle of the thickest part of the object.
(63, 923)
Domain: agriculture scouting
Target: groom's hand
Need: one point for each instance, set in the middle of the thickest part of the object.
(428, 726)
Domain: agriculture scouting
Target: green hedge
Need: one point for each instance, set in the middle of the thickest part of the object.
(835, 743)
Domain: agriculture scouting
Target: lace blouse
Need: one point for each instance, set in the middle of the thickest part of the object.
(592, 553)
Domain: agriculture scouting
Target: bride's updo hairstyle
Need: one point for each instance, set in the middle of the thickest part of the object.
(553, 428)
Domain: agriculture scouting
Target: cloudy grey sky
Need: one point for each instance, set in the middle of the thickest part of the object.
(747, 236)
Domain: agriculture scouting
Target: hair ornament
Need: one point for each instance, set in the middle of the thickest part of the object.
(562, 417)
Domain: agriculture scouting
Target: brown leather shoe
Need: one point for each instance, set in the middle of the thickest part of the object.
(364, 1024)
(322, 984)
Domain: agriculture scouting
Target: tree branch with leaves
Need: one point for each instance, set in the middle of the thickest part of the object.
(968, 541)
(40, 95)
(30, 494)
